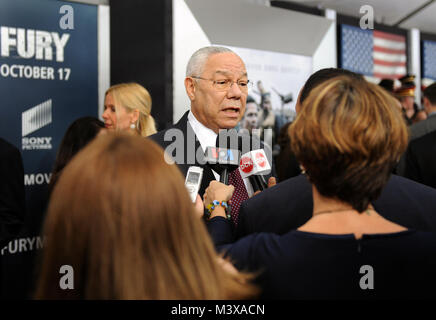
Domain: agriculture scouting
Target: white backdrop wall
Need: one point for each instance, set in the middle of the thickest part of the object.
(188, 36)
(325, 55)
(198, 23)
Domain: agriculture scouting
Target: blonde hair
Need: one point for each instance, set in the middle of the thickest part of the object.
(349, 137)
(122, 218)
(133, 96)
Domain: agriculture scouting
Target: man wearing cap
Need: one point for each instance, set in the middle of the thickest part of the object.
(419, 129)
(429, 102)
(406, 94)
(420, 158)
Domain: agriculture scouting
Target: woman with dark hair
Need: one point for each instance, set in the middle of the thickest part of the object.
(122, 218)
(77, 136)
(348, 138)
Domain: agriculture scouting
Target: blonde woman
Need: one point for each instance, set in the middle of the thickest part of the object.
(121, 217)
(127, 107)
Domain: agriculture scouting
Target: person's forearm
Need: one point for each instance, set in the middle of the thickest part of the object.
(219, 211)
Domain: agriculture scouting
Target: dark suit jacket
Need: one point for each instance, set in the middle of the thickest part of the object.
(421, 160)
(421, 128)
(12, 199)
(189, 143)
(289, 204)
(417, 130)
(190, 147)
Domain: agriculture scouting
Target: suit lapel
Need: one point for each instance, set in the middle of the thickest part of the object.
(191, 159)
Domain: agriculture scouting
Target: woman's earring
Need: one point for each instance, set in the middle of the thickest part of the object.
(132, 126)
(303, 170)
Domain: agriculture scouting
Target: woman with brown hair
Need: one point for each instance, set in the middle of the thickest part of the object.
(121, 217)
(127, 107)
(348, 138)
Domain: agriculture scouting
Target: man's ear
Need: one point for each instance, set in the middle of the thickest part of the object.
(190, 88)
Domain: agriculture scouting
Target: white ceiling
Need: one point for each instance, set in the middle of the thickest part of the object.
(388, 12)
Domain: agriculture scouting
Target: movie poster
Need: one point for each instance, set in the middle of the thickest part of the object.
(48, 79)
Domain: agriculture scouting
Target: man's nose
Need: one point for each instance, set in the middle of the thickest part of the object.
(234, 91)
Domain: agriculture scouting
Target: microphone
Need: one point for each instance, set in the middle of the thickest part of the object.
(227, 140)
(253, 165)
(222, 160)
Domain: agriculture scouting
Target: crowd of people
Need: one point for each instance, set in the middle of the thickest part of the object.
(340, 217)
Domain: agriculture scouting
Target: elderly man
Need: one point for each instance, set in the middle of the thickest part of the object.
(217, 85)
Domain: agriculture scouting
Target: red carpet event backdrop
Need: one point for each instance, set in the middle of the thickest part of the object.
(48, 78)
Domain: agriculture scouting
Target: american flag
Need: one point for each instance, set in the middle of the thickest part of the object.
(429, 58)
(373, 53)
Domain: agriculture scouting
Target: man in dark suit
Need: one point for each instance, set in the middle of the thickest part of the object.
(12, 200)
(417, 131)
(217, 85)
(428, 125)
(420, 160)
(288, 205)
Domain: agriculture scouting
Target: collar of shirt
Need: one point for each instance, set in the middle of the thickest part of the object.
(207, 138)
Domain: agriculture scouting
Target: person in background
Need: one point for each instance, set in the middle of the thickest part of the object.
(251, 116)
(418, 130)
(406, 95)
(426, 126)
(389, 86)
(12, 195)
(266, 115)
(419, 161)
(77, 136)
(286, 163)
(127, 107)
(122, 218)
(347, 138)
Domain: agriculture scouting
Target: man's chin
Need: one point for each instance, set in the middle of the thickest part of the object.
(229, 124)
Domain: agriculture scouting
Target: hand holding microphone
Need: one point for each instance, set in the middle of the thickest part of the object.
(218, 191)
(217, 200)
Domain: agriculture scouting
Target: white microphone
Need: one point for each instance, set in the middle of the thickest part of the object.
(254, 165)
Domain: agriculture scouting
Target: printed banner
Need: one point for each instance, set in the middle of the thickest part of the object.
(48, 78)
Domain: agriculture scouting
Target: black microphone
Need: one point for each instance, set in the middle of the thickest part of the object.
(222, 161)
(227, 140)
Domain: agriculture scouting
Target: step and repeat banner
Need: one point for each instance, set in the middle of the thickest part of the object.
(48, 78)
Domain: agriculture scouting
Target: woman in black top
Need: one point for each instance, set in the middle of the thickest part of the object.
(348, 138)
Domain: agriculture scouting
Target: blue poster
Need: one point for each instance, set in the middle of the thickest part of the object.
(48, 78)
